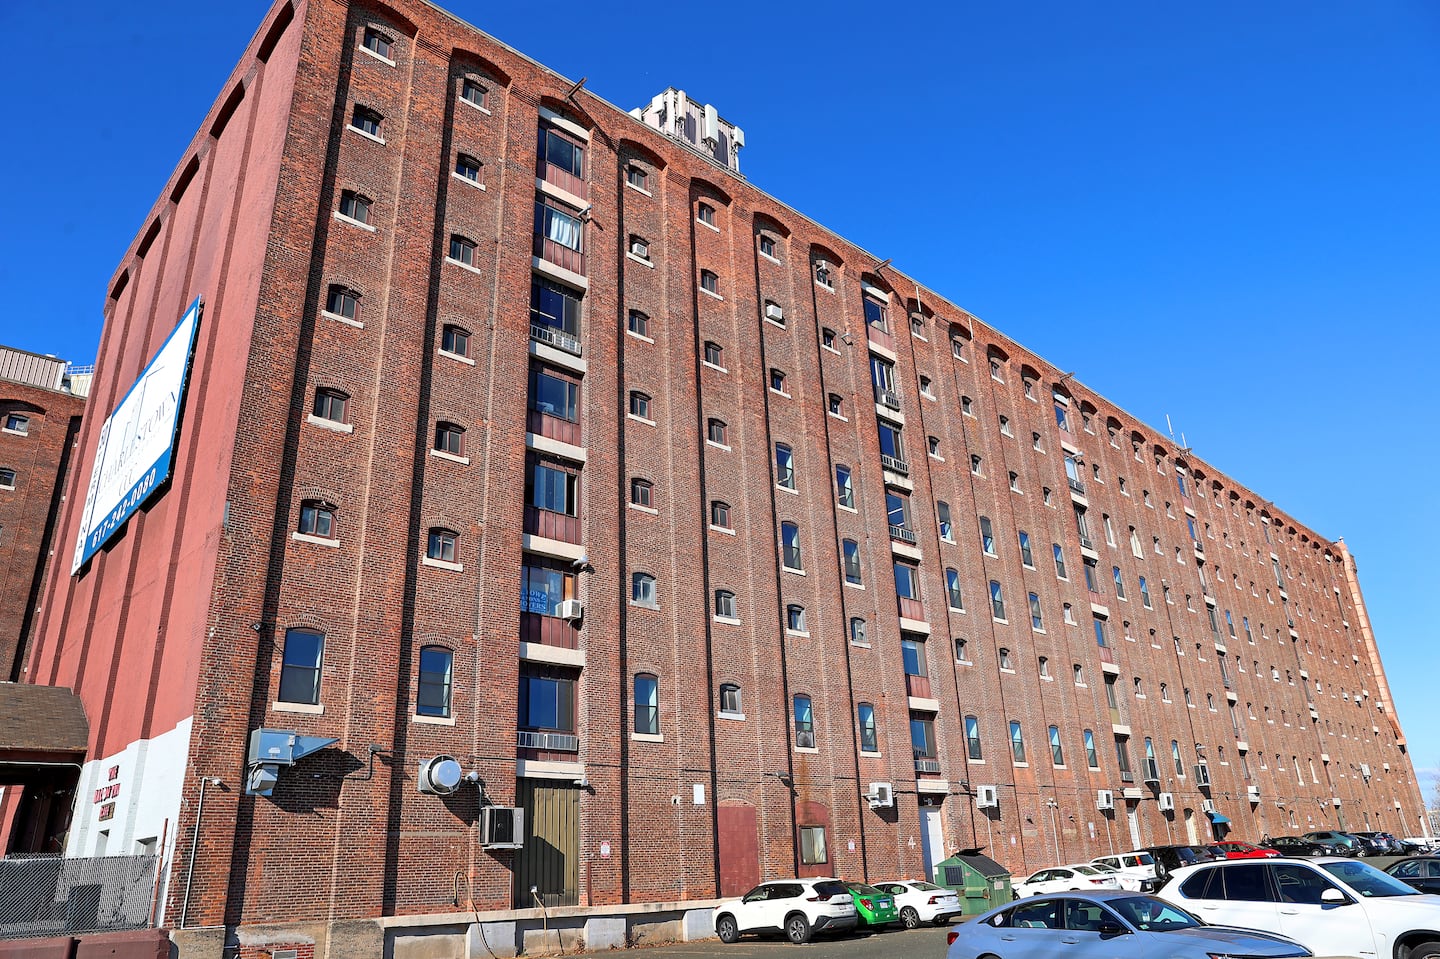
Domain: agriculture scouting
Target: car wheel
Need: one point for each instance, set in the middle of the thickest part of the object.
(910, 917)
(1426, 950)
(797, 929)
(727, 929)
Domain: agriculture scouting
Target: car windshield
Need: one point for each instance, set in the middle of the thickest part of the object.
(927, 887)
(864, 890)
(1367, 880)
(1149, 914)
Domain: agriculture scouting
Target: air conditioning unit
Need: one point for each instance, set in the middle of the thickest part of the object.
(1202, 775)
(805, 739)
(1253, 793)
(1167, 802)
(774, 312)
(439, 776)
(1365, 770)
(1207, 805)
(1152, 771)
(1104, 799)
(987, 797)
(571, 609)
(502, 827)
(881, 794)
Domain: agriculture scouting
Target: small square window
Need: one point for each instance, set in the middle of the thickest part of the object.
(714, 354)
(777, 380)
(462, 251)
(917, 326)
(639, 405)
(926, 387)
(705, 213)
(1014, 481)
(467, 168)
(473, 92)
(975, 464)
(709, 281)
(638, 323)
(641, 492)
(377, 43)
(637, 177)
(7, 478)
(317, 519)
(827, 338)
(342, 301)
(795, 618)
(720, 514)
(642, 590)
(836, 405)
(355, 207)
(767, 245)
(442, 545)
(967, 406)
(450, 438)
(717, 432)
(367, 121)
(455, 341)
(331, 405)
(933, 442)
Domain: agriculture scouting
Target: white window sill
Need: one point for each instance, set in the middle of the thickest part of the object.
(644, 509)
(734, 717)
(779, 392)
(827, 288)
(1021, 765)
(441, 564)
(456, 357)
(383, 59)
(956, 609)
(313, 709)
(728, 620)
(474, 106)
(331, 425)
(433, 720)
(14, 432)
(1081, 686)
(640, 259)
(463, 266)
(931, 398)
(639, 189)
(369, 136)
(840, 416)
(639, 419)
(336, 317)
(1002, 622)
(647, 737)
(722, 529)
(806, 749)
(1007, 669)
(848, 509)
(639, 605)
(1040, 630)
(718, 446)
(771, 258)
(300, 537)
(6, 487)
(714, 366)
(466, 180)
(442, 455)
(715, 295)
(791, 569)
(976, 762)
(639, 336)
(830, 349)
(860, 645)
(797, 632)
(353, 222)
(709, 226)
(787, 489)
(774, 322)
(850, 585)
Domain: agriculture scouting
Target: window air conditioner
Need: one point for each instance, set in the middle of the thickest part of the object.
(1167, 802)
(881, 794)
(774, 312)
(571, 609)
(1253, 793)
(805, 739)
(1104, 799)
(987, 797)
(1152, 771)
(502, 827)
(1207, 805)
(1202, 775)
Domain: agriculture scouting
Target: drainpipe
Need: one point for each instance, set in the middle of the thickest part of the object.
(195, 842)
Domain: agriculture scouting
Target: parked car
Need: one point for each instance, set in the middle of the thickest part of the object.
(1344, 843)
(1061, 878)
(1422, 872)
(799, 908)
(1232, 849)
(1338, 906)
(1128, 883)
(1374, 844)
(874, 908)
(1295, 846)
(1170, 858)
(1104, 925)
(920, 901)
(1137, 867)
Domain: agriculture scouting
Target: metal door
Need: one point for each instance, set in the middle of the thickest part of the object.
(738, 842)
(1132, 816)
(550, 859)
(932, 839)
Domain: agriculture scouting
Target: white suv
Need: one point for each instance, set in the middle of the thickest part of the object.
(1137, 869)
(798, 907)
(1331, 905)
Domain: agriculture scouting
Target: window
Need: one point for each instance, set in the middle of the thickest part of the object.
(822, 273)
(835, 404)
(637, 177)
(639, 405)
(561, 153)
(912, 653)
(844, 490)
(952, 589)
(1119, 582)
(995, 374)
(705, 213)
(1122, 758)
(1044, 664)
(339, 301)
(647, 705)
(987, 536)
(1175, 755)
(547, 703)
(641, 492)
(710, 282)
(1005, 426)
(812, 845)
(947, 529)
(858, 633)
(926, 388)
(795, 618)
(1062, 417)
(467, 168)
(1036, 442)
(730, 699)
(1017, 742)
(1060, 562)
(957, 347)
(462, 251)
(454, 340)
(300, 666)
(639, 247)
(717, 432)
(1102, 637)
(1057, 752)
(997, 601)
(367, 121)
(555, 307)
(907, 581)
(790, 546)
(473, 92)
(892, 448)
(1036, 621)
(1025, 555)
(962, 650)
(720, 514)
(317, 519)
(827, 338)
(331, 404)
(975, 464)
(377, 43)
(441, 544)
(917, 325)
(933, 444)
(1079, 674)
(767, 245)
(432, 697)
(354, 206)
(1144, 593)
(638, 323)
(642, 590)
(1164, 692)
(1091, 759)
(967, 406)
(804, 723)
(784, 466)
(560, 228)
(869, 739)
(725, 604)
(553, 489)
(1109, 529)
(1069, 613)
(851, 550)
(972, 738)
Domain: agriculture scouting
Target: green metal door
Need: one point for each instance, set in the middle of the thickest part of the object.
(550, 859)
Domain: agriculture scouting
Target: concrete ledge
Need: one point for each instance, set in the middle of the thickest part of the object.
(536, 915)
(698, 924)
(605, 932)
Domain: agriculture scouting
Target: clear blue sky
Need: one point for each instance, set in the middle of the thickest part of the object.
(1227, 212)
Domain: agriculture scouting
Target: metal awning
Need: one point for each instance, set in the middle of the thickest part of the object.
(1219, 818)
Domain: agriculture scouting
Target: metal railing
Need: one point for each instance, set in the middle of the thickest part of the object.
(556, 338)
(927, 765)
(1076, 485)
(894, 464)
(560, 742)
(1086, 542)
(903, 533)
(56, 896)
(887, 398)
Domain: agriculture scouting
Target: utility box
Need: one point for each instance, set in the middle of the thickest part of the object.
(979, 881)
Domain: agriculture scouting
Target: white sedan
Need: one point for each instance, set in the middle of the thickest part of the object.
(922, 901)
(1077, 876)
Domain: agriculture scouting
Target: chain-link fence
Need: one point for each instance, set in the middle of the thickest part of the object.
(53, 895)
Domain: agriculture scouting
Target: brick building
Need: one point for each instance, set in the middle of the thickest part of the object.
(531, 458)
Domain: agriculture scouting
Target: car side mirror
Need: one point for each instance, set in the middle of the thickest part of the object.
(1333, 897)
(1111, 929)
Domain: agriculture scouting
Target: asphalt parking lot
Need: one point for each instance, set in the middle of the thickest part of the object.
(927, 942)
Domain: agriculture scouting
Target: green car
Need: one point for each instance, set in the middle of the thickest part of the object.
(873, 907)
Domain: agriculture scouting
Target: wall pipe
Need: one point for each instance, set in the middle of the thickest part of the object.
(194, 843)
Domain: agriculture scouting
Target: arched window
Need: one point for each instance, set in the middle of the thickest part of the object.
(642, 590)
(790, 546)
(641, 492)
(647, 704)
(455, 340)
(462, 250)
(343, 302)
(450, 438)
(1057, 752)
(720, 514)
(725, 604)
(355, 207)
(317, 518)
(300, 666)
(972, 738)
(710, 282)
(331, 405)
(804, 723)
(442, 545)
(869, 738)
(432, 697)
(730, 702)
